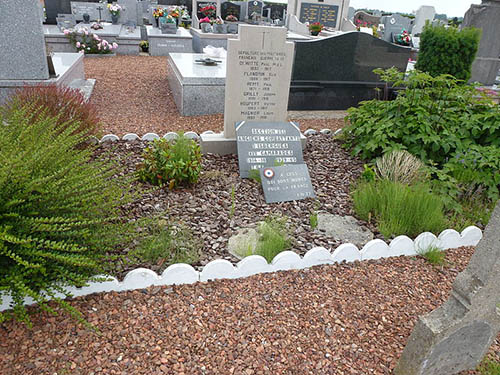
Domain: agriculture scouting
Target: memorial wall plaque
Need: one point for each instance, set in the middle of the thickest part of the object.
(286, 183)
(264, 144)
(325, 14)
(254, 7)
(228, 8)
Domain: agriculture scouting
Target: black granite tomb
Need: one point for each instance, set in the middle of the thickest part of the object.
(228, 8)
(276, 10)
(337, 72)
(254, 7)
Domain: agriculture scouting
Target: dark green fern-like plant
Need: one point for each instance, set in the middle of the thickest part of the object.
(58, 209)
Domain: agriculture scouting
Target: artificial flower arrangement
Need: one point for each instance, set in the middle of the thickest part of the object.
(231, 18)
(158, 12)
(114, 9)
(170, 19)
(404, 38)
(205, 20)
(360, 24)
(315, 28)
(174, 11)
(208, 11)
(219, 21)
(96, 26)
(89, 43)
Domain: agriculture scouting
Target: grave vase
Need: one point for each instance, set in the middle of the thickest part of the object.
(206, 27)
(232, 27)
(114, 19)
(220, 29)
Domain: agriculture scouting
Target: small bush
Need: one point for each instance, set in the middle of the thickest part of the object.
(448, 50)
(57, 208)
(274, 237)
(68, 105)
(400, 166)
(168, 243)
(171, 163)
(399, 209)
(433, 255)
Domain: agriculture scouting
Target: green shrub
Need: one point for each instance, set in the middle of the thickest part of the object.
(57, 208)
(400, 166)
(274, 237)
(448, 50)
(171, 163)
(168, 243)
(399, 209)
(67, 104)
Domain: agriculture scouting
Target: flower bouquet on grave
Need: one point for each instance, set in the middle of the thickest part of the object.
(231, 18)
(403, 39)
(89, 43)
(168, 25)
(96, 26)
(219, 26)
(115, 10)
(157, 13)
(315, 28)
(206, 25)
(208, 11)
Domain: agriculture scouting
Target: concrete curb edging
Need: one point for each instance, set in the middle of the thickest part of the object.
(287, 260)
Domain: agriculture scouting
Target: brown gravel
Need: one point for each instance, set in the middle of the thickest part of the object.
(132, 95)
(341, 319)
(206, 207)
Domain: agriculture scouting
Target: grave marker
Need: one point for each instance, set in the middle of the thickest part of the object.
(254, 7)
(286, 183)
(263, 144)
(96, 11)
(258, 76)
(228, 8)
(424, 13)
(325, 14)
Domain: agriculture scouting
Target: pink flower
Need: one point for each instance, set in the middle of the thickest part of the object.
(99, 46)
(77, 44)
(83, 46)
(95, 36)
(66, 32)
(86, 32)
(115, 46)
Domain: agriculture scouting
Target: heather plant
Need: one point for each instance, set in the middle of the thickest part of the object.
(171, 163)
(58, 209)
(67, 106)
(448, 50)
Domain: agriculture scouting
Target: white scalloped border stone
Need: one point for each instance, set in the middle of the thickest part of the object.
(181, 273)
(150, 136)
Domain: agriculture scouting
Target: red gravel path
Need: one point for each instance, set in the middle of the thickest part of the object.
(132, 95)
(341, 319)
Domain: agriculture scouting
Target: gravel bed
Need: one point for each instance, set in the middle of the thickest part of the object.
(341, 319)
(206, 207)
(132, 95)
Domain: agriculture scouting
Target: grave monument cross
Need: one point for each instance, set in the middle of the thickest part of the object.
(456, 336)
(259, 68)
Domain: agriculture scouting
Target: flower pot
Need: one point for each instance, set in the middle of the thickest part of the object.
(156, 22)
(220, 29)
(206, 27)
(114, 19)
(232, 28)
(314, 33)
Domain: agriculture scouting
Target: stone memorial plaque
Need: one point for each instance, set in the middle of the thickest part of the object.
(68, 20)
(228, 8)
(266, 144)
(286, 183)
(259, 68)
(96, 11)
(325, 14)
(254, 7)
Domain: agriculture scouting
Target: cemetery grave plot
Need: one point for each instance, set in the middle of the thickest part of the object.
(345, 318)
(206, 206)
(133, 96)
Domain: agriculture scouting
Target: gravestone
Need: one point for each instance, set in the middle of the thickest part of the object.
(485, 16)
(254, 7)
(394, 25)
(96, 11)
(424, 13)
(276, 10)
(361, 17)
(286, 183)
(228, 8)
(456, 336)
(23, 55)
(330, 13)
(259, 66)
(65, 21)
(202, 4)
(262, 144)
(132, 11)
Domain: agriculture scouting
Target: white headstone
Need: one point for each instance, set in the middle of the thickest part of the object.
(424, 13)
(259, 69)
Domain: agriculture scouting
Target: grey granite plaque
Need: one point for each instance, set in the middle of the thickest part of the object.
(254, 7)
(266, 144)
(323, 13)
(286, 183)
(96, 11)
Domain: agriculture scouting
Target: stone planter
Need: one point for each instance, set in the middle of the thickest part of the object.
(168, 28)
(114, 19)
(220, 29)
(206, 27)
(232, 27)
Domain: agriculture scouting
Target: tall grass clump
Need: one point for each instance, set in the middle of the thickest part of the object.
(58, 209)
(399, 209)
(274, 237)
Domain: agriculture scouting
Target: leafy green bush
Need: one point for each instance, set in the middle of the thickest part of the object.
(168, 243)
(399, 209)
(448, 50)
(68, 105)
(57, 208)
(171, 163)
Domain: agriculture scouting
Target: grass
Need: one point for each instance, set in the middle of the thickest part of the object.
(489, 367)
(233, 202)
(434, 255)
(474, 211)
(313, 220)
(168, 243)
(274, 237)
(399, 209)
